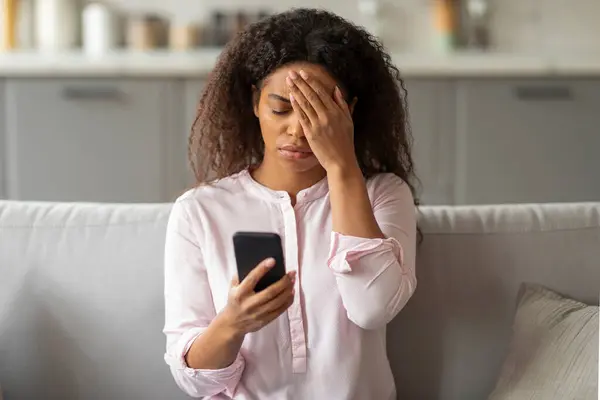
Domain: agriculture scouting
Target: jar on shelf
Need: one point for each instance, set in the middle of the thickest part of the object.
(56, 24)
(99, 29)
(146, 32)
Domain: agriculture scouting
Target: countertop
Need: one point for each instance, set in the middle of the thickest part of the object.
(199, 63)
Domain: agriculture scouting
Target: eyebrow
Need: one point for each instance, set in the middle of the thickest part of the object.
(278, 97)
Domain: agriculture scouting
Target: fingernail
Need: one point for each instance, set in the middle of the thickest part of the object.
(289, 81)
(291, 97)
(338, 92)
(294, 75)
(269, 262)
(303, 74)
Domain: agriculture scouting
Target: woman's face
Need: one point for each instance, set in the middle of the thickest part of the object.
(282, 133)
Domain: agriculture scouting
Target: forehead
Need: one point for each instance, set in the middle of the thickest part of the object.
(276, 80)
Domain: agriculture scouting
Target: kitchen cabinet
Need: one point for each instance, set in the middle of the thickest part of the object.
(476, 141)
(527, 140)
(99, 140)
(3, 149)
(432, 122)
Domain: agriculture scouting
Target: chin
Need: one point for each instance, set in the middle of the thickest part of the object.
(300, 166)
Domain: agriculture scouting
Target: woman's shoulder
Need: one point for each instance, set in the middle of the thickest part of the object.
(193, 205)
(388, 185)
(212, 191)
(386, 180)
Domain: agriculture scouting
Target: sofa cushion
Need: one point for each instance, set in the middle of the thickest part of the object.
(554, 349)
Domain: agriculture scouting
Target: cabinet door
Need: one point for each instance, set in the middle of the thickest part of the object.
(522, 141)
(3, 151)
(193, 91)
(87, 140)
(432, 120)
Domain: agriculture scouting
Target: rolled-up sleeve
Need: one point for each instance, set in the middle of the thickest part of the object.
(189, 309)
(376, 277)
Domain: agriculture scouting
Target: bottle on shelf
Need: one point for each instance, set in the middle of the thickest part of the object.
(9, 25)
(445, 25)
(477, 30)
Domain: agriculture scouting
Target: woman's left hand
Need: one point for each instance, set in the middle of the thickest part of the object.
(326, 120)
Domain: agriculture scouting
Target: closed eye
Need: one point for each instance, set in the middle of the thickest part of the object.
(280, 104)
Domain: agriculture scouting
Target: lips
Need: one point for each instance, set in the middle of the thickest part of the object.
(292, 152)
(296, 149)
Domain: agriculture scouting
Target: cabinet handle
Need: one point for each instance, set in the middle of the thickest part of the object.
(543, 93)
(92, 93)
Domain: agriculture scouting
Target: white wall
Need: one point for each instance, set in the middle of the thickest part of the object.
(548, 26)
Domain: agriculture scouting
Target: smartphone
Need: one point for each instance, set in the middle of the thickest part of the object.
(251, 248)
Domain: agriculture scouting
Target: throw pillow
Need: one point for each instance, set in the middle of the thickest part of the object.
(553, 354)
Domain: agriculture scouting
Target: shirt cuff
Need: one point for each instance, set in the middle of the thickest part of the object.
(228, 376)
(344, 250)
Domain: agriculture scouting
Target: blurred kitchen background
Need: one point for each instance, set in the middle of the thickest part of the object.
(97, 98)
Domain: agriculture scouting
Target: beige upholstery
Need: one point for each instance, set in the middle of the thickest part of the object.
(450, 341)
(81, 306)
(553, 353)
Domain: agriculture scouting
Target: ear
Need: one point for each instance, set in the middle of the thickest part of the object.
(255, 99)
(352, 105)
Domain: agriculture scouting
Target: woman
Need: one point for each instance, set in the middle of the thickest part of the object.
(303, 123)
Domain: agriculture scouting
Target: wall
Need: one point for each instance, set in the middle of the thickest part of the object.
(546, 26)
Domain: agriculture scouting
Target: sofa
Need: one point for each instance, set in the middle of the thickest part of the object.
(81, 296)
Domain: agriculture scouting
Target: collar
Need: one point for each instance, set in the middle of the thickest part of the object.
(316, 191)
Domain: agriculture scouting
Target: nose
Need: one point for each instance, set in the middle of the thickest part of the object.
(295, 128)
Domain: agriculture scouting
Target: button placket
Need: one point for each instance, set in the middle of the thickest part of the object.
(297, 334)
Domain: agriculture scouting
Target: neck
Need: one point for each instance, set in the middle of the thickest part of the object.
(273, 176)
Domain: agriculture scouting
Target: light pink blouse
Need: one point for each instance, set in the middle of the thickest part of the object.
(331, 343)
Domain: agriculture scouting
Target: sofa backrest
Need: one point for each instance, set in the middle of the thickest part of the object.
(451, 339)
(81, 296)
(81, 302)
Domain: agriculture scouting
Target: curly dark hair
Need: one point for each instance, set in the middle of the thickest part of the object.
(226, 136)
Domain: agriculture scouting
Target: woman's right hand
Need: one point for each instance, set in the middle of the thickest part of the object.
(248, 311)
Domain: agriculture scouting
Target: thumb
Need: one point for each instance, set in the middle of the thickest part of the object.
(252, 279)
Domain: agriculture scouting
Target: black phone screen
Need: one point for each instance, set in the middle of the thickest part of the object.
(251, 248)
